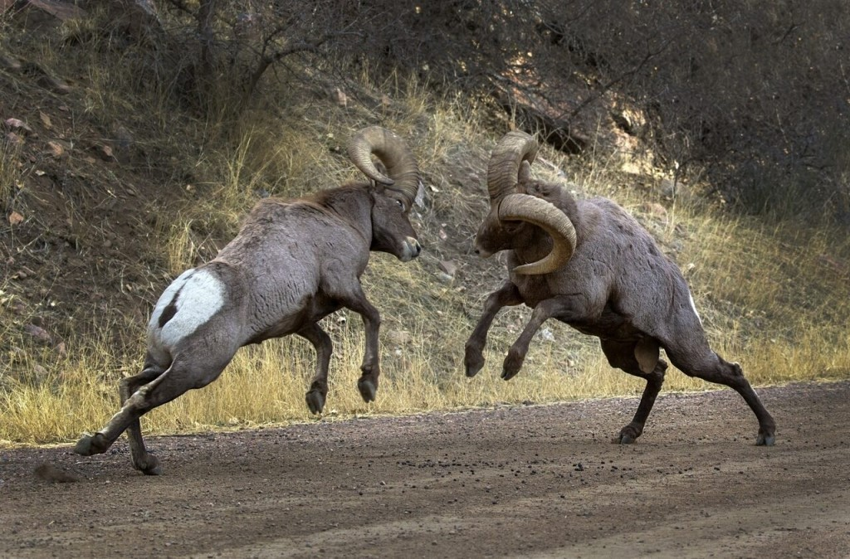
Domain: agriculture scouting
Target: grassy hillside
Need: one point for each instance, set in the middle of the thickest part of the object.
(110, 187)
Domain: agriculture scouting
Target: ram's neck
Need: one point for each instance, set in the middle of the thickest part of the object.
(351, 203)
(532, 245)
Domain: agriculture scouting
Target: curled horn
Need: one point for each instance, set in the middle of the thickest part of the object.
(393, 153)
(523, 207)
(514, 148)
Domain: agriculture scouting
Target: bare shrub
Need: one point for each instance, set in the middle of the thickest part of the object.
(752, 97)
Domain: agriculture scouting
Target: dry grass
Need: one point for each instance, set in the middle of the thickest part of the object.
(790, 287)
(10, 174)
(775, 301)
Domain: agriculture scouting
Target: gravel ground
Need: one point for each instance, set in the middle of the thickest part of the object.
(529, 481)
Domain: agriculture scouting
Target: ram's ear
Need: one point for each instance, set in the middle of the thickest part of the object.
(524, 174)
(646, 353)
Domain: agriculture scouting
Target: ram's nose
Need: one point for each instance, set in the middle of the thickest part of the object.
(412, 249)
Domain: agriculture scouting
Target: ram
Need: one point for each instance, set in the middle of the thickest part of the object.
(589, 264)
(292, 263)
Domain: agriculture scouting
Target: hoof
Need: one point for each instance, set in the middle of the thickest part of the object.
(509, 371)
(624, 438)
(628, 434)
(367, 389)
(315, 401)
(83, 446)
(765, 440)
(512, 365)
(508, 374)
(87, 445)
(149, 466)
(473, 361)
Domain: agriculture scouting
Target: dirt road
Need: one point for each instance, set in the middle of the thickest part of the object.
(533, 481)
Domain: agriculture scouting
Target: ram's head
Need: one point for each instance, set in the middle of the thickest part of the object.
(515, 210)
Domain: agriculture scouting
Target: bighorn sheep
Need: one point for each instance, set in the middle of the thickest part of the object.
(292, 263)
(589, 264)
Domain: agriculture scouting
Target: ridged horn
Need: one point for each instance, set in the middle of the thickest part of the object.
(393, 153)
(539, 212)
(505, 159)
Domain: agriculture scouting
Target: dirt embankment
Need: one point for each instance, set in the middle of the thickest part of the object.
(536, 481)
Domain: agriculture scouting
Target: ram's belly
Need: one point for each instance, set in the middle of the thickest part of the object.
(608, 324)
(305, 316)
(283, 302)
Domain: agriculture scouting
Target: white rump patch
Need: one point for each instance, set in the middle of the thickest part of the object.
(694, 307)
(200, 294)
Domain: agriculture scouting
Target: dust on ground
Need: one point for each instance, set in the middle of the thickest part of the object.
(531, 481)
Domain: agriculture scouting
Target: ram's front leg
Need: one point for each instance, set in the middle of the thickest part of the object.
(507, 295)
(318, 391)
(542, 312)
(356, 300)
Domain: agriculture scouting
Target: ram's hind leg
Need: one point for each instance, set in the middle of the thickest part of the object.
(178, 379)
(318, 391)
(704, 363)
(624, 357)
(142, 459)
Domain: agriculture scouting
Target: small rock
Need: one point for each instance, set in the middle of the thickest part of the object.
(55, 149)
(419, 200)
(39, 333)
(445, 278)
(15, 218)
(103, 151)
(17, 125)
(449, 267)
(547, 335)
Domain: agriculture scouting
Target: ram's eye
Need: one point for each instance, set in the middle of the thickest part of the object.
(512, 227)
(400, 204)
